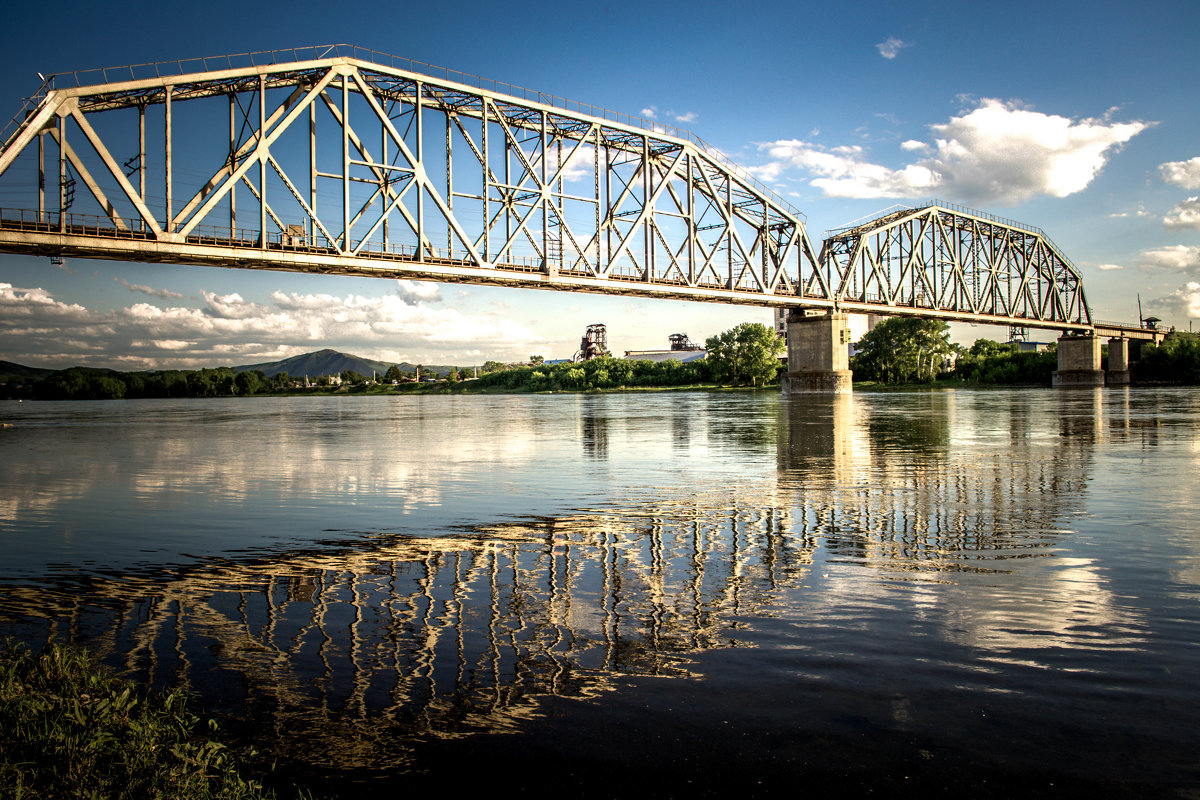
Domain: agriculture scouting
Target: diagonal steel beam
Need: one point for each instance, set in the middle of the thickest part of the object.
(247, 147)
(43, 116)
(419, 175)
(260, 152)
(90, 183)
(299, 198)
(362, 150)
(115, 171)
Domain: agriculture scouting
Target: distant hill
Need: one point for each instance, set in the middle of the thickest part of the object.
(331, 362)
(322, 362)
(19, 373)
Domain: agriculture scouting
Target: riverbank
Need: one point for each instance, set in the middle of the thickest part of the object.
(67, 725)
(467, 387)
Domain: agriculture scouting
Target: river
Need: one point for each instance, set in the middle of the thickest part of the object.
(985, 593)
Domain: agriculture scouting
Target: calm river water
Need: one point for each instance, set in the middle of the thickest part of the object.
(952, 593)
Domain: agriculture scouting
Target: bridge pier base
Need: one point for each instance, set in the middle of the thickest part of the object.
(1078, 362)
(1118, 362)
(818, 357)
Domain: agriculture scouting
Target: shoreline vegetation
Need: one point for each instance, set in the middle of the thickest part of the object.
(898, 353)
(69, 728)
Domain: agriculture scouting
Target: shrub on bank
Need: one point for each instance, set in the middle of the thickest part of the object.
(598, 373)
(1175, 360)
(992, 363)
(70, 729)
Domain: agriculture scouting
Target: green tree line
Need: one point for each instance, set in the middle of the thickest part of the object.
(1175, 360)
(988, 362)
(746, 355)
(598, 373)
(897, 350)
(911, 350)
(83, 383)
(903, 350)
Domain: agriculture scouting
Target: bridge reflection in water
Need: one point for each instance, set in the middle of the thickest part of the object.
(346, 657)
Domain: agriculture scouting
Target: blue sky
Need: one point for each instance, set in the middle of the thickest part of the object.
(1081, 118)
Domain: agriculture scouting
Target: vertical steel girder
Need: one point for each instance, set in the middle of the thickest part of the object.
(342, 165)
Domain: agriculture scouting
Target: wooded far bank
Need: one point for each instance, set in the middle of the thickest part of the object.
(898, 351)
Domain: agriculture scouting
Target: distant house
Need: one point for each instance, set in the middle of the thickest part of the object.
(682, 356)
(682, 350)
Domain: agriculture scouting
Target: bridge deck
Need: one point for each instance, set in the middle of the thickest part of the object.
(98, 238)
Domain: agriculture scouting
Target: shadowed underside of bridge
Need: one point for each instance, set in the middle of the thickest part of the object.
(342, 161)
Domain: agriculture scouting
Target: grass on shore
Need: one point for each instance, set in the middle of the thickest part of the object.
(70, 729)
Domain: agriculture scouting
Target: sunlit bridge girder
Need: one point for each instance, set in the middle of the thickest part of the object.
(339, 160)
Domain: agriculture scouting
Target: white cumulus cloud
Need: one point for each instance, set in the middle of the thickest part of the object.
(1182, 173)
(231, 306)
(891, 47)
(227, 329)
(997, 153)
(684, 117)
(1140, 211)
(141, 289)
(417, 291)
(844, 171)
(1184, 215)
(23, 306)
(1179, 257)
(579, 162)
(1184, 301)
(1108, 267)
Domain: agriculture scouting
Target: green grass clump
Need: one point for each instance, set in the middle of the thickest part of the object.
(70, 729)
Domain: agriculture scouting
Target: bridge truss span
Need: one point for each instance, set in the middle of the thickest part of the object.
(341, 161)
(345, 166)
(943, 260)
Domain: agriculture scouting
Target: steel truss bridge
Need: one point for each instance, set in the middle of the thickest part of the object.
(339, 160)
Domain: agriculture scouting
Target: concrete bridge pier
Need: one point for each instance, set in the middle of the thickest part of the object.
(1078, 362)
(818, 354)
(1118, 362)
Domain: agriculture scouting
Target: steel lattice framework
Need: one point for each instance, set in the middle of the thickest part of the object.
(946, 261)
(344, 161)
